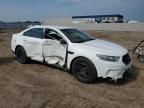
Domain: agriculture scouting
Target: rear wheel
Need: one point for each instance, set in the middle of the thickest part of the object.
(84, 70)
(21, 55)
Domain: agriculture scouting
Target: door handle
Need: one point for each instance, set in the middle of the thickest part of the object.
(46, 41)
(46, 44)
(25, 40)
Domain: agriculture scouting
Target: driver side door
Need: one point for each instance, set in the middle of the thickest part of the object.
(54, 51)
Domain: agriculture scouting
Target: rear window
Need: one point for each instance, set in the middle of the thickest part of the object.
(35, 32)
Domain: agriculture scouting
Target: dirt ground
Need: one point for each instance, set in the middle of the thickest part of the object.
(36, 85)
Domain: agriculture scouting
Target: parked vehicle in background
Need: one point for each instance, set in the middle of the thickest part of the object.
(132, 22)
(139, 51)
(69, 48)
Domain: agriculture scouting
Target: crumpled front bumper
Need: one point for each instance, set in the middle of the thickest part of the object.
(113, 70)
(117, 73)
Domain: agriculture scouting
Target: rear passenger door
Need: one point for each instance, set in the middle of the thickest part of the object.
(33, 43)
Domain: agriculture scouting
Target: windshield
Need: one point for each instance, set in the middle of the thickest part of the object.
(76, 36)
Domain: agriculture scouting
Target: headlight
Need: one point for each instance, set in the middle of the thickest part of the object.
(108, 58)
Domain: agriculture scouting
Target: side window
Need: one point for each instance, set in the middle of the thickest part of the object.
(35, 32)
(51, 34)
(27, 33)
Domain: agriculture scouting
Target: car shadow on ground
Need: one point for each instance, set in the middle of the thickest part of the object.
(129, 76)
(6, 60)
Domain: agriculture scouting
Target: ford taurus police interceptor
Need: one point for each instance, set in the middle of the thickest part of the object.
(69, 48)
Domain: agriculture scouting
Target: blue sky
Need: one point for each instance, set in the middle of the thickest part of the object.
(23, 10)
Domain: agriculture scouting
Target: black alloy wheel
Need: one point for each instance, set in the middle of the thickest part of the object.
(84, 70)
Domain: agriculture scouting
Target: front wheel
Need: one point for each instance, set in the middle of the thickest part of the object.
(84, 70)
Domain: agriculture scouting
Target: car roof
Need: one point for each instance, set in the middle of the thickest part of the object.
(56, 27)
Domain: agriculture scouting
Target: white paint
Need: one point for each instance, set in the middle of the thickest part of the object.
(55, 53)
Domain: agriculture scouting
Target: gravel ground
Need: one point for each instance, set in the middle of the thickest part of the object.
(37, 85)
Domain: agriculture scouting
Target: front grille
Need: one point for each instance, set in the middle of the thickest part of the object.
(126, 59)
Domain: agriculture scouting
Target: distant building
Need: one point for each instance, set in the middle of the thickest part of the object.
(116, 18)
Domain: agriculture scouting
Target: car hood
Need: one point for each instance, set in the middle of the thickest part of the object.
(106, 47)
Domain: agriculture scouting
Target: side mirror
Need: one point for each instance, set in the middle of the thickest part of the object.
(62, 41)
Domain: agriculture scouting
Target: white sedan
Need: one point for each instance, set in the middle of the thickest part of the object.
(69, 48)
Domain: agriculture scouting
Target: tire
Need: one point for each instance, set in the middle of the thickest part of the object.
(21, 55)
(84, 70)
(141, 58)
